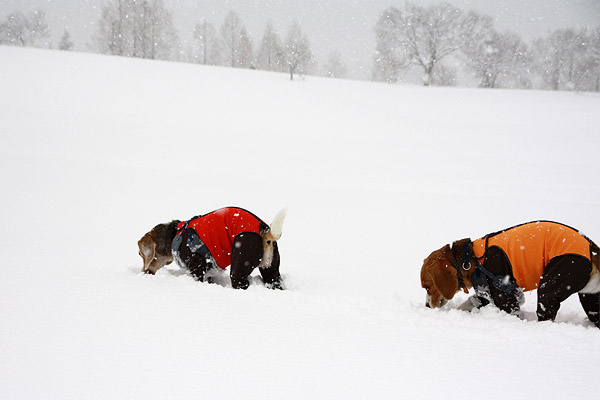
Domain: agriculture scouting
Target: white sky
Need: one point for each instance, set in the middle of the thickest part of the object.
(342, 25)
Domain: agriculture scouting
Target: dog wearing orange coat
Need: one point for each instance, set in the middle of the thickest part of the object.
(552, 258)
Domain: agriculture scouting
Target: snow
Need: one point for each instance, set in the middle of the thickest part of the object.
(96, 150)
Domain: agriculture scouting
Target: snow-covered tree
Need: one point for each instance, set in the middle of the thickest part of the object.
(65, 42)
(298, 55)
(24, 30)
(421, 37)
(335, 68)
(270, 56)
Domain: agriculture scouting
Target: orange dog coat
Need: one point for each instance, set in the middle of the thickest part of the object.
(531, 246)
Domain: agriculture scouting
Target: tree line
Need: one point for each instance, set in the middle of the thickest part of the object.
(436, 45)
(144, 28)
(441, 42)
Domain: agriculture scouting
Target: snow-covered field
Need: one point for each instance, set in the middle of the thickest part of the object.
(96, 150)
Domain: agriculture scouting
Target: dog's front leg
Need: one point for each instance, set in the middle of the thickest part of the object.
(467, 305)
(194, 262)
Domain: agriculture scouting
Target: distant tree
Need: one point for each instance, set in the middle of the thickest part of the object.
(499, 59)
(230, 35)
(24, 30)
(335, 67)
(586, 70)
(137, 28)
(421, 37)
(391, 57)
(298, 55)
(205, 43)
(65, 42)
(560, 56)
(245, 54)
(594, 59)
(444, 75)
(271, 56)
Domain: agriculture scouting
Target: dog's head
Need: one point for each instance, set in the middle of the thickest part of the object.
(438, 277)
(155, 246)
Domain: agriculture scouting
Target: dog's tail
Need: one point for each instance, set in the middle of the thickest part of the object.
(276, 226)
(270, 236)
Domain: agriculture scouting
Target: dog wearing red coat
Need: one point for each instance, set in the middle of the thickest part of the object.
(230, 236)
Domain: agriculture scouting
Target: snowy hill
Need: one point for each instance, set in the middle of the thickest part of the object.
(96, 150)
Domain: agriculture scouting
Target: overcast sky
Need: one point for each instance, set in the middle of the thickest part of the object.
(331, 25)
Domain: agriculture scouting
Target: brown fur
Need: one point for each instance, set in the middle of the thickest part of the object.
(438, 277)
(155, 247)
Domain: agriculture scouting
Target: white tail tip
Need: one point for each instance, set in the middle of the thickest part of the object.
(277, 224)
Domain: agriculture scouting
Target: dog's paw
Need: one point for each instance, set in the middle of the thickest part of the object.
(275, 285)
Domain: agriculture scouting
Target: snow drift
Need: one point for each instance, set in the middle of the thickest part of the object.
(96, 150)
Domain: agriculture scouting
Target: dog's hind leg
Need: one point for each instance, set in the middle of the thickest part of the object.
(591, 306)
(246, 254)
(271, 275)
(563, 276)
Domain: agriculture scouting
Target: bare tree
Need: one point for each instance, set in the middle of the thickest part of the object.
(24, 30)
(421, 37)
(245, 54)
(271, 55)
(586, 70)
(137, 28)
(65, 42)
(594, 58)
(112, 36)
(230, 35)
(298, 55)
(499, 59)
(390, 56)
(205, 43)
(559, 57)
(336, 68)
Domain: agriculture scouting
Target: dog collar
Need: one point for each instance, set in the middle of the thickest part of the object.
(466, 266)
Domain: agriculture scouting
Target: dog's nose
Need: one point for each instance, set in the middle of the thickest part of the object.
(427, 304)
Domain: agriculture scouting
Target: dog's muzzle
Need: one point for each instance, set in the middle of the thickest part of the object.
(443, 302)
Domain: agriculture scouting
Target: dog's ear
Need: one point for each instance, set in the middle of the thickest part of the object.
(444, 275)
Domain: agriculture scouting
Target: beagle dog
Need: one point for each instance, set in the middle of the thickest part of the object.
(552, 258)
(216, 240)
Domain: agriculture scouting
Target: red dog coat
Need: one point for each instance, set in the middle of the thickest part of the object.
(219, 228)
